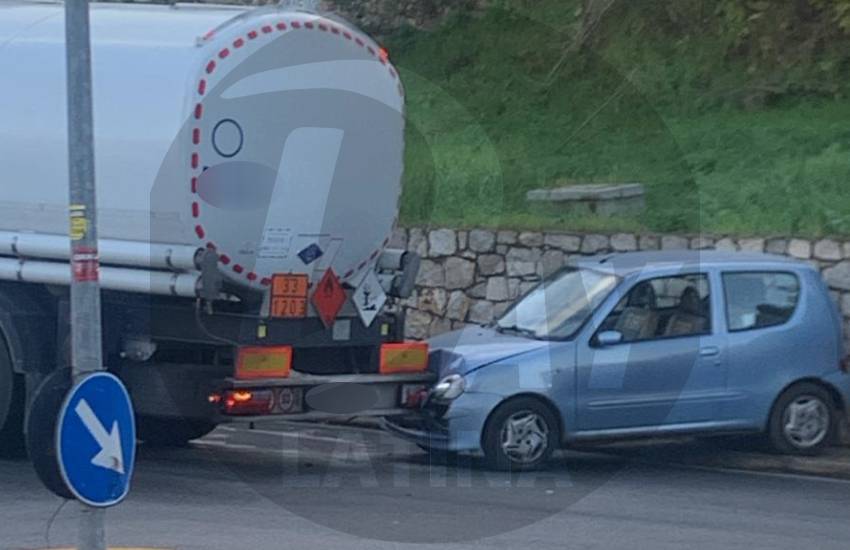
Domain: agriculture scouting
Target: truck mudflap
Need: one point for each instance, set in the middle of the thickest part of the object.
(311, 397)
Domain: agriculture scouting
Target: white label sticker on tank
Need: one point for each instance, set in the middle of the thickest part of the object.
(248, 248)
(276, 244)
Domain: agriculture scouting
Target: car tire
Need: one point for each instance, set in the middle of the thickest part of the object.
(802, 421)
(157, 431)
(11, 407)
(520, 435)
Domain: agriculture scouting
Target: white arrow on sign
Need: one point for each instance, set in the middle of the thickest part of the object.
(111, 456)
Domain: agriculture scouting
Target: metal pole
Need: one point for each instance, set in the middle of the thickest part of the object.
(86, 350)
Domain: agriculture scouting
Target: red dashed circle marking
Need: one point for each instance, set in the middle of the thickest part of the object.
(198, 113)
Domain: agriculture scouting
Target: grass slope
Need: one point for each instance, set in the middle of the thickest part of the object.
(490, 119)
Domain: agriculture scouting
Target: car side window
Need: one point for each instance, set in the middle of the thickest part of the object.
(665, 307)
(760, 299)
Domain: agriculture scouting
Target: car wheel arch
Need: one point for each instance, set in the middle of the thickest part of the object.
(542, 399)
(832, 391)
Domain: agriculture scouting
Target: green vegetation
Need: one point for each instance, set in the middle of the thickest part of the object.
(733, 113)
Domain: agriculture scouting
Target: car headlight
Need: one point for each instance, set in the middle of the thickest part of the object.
(449, 388)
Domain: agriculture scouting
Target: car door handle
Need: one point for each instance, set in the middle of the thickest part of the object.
(709, 351)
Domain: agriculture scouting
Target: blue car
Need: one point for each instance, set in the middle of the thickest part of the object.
(643, 344)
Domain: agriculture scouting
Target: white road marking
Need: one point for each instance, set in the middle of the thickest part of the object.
(299, 435)
(210, 443)
(228, 445)
(740, 471)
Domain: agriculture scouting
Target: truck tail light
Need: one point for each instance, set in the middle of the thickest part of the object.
(248, 402)
(402, 358)
(257, 362)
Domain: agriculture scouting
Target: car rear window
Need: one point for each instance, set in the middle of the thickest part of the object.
(760, 299)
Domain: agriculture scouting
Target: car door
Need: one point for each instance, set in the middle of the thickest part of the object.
(769, 343)
(667, 375)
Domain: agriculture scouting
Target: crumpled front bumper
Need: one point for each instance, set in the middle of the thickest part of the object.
(458, 428)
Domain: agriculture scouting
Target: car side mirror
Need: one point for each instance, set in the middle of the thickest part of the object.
(609, 338)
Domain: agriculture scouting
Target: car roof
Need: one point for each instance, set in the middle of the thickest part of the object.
(626, 263)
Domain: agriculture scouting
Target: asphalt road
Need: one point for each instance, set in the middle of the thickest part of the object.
(319, 488)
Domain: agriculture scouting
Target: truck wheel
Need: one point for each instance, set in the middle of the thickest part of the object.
(802, 421)
(11, 407)
(520, 435)
(158, 431)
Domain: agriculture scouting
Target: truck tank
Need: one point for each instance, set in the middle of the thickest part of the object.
(274, 137)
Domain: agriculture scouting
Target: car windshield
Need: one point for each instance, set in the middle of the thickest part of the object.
(560, 305)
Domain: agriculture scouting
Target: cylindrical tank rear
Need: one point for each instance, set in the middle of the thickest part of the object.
(274, 137)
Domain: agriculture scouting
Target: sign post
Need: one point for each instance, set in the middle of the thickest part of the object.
(86, 350)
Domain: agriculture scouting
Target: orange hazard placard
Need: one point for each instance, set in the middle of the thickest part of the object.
(329, 298)
(289, 296)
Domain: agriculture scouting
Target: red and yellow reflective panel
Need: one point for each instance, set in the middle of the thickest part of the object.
(263, 362)
(404, 358)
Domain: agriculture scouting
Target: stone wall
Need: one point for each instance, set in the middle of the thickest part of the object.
(473, 276)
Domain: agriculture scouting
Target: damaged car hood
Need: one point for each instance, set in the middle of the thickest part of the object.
(469, 349)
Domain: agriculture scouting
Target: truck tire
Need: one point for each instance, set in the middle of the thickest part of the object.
(803, 420)
(520, 435)
(11, 407)
(157, 431)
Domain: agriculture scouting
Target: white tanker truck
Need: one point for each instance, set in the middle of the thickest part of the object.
(248, 167)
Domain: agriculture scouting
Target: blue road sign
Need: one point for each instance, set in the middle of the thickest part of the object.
(96, 440)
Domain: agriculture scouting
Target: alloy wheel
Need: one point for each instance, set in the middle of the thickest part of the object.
(525, 437)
